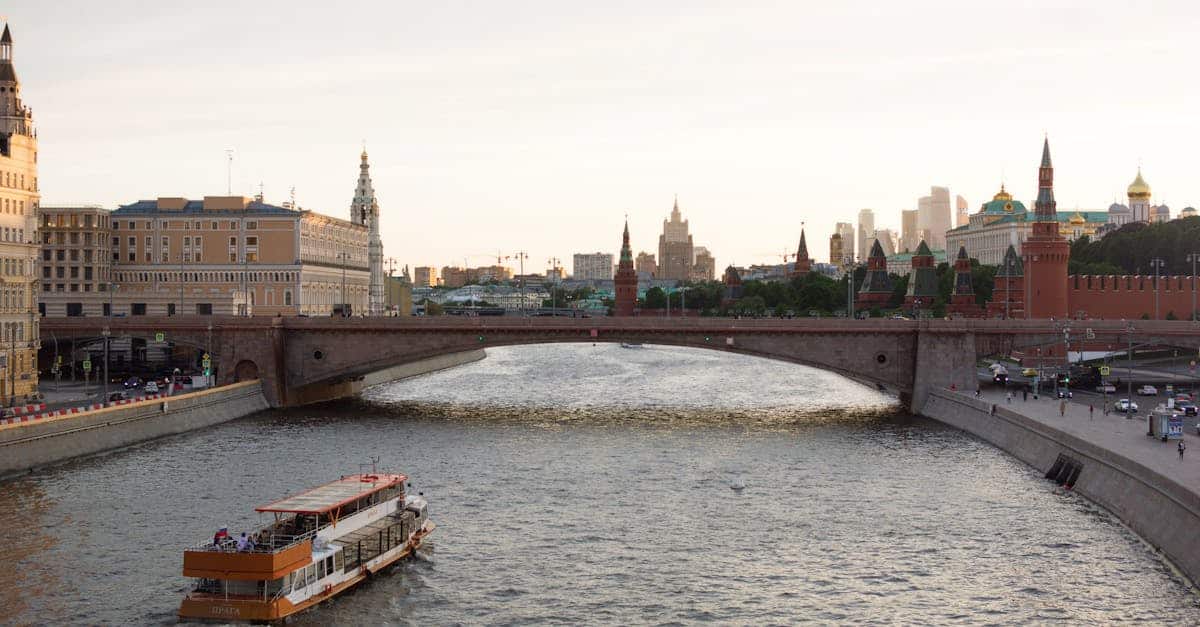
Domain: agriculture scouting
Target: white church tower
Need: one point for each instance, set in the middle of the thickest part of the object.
(365, 211)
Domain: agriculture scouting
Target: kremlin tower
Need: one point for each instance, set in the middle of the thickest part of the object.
(962, 299)
(803, 262)
(625, 283)
(876, 288)
(1046, 252)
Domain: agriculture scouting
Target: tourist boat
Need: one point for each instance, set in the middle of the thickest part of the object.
(320, 543)
(631, 344)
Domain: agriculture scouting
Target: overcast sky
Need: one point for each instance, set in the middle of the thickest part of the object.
(537, 125)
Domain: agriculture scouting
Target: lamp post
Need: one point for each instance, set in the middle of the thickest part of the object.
(112, 287)
(1129, 367)
(1194, 257)
(342, 255)
(1157, 263)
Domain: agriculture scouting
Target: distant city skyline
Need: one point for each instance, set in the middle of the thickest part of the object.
(541, 136)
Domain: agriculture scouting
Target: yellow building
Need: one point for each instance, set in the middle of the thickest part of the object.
(18, 240)
(399, 295)
(230, 255)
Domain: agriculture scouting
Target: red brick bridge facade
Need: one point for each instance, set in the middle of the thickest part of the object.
(302, 360)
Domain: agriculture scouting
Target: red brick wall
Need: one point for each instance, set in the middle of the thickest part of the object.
(1128, 297)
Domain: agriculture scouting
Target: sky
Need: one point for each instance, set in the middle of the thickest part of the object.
(537, 126)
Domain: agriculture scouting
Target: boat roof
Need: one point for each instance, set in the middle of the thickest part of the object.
(325, 498)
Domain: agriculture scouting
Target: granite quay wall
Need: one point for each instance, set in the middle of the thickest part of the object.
(319, 392)
(1161, 510)
(25, 446)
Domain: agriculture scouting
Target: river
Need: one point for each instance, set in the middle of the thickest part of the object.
(580, 484)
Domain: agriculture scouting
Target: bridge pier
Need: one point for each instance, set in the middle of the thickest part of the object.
(944, 358)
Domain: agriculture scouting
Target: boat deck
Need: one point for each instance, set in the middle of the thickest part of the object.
(367, 543)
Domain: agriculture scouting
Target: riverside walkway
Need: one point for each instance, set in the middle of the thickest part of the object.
(1124, 436)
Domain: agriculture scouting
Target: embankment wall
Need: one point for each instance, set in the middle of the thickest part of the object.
(26, 446)
(1163, 512)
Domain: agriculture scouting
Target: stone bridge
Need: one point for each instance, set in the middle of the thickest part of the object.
(302, 360)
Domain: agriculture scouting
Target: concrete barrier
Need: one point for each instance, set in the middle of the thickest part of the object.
(63, 435)
(1163, 512)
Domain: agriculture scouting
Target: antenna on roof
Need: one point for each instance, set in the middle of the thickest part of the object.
(261, 198)
(229, 172)
(293, 194)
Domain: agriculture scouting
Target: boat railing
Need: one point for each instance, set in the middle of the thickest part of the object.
(267, 542)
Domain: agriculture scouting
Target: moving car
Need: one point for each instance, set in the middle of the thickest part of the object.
(151, 387)
(1147, 390)
(1028, 372)
(132, 382)
(1000, 377)
(1064, 393)
(117, 396)
(1106, 388)
(1187, 407)
(1126, 405)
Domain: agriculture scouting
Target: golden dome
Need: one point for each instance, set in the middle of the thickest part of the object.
(1077, 218)
(1002, 195)
(1139, 189)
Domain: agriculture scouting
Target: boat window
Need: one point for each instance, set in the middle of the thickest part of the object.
(329, 564)
(340, 561)
(321, 570)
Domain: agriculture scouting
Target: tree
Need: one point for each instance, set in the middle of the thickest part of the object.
(656, 298)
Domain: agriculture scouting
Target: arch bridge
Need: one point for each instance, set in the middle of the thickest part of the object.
(302, 360)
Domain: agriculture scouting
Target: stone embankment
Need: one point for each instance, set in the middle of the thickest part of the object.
(1102, 457)
(52, 439)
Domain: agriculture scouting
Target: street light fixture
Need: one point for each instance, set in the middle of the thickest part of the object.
(1157, 263)
(1194, 257)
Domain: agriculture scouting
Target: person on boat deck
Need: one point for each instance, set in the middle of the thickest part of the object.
(220, 536)
(242, 542)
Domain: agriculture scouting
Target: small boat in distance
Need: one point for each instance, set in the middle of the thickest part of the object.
(631, 344)
(320, 543)
(738, 484)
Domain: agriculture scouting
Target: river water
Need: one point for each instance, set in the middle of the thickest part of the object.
(591, 484)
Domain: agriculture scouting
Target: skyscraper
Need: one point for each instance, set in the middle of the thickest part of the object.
(846, 230)
(866, 233)
(705, 266)
(961, 213)
(837, 251)
(910, 235)
(675, 250)
(933, 216)
(18, 161)
(364, 210)
(887, 238)
(645, 263)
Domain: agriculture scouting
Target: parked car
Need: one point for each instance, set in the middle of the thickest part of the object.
(1028, 372)
(1126, 405)
(1188, 408)
(151, 387)
(1106, 388)
(1147, 390)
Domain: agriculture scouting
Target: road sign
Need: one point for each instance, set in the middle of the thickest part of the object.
(87, 365)
(205, 357)
(1090, 334)
(160, 337)
(1105, 371)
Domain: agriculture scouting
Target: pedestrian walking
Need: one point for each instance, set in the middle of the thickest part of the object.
(1182, 448)
(1025, 393)
(1062, 408)
(1105, 408)
(1008, 397)
(1091, 411)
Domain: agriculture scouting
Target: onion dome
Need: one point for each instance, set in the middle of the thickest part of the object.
(1002, 195)
(1139, 189)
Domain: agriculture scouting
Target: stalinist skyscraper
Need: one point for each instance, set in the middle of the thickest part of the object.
(365, 211)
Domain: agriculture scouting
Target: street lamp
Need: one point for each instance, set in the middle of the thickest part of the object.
(1194, 257)
(343, 256)
(1157, 263)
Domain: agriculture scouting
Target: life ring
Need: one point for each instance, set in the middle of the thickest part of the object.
(328, 589)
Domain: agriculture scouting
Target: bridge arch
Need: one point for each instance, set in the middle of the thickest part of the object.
(245, 370)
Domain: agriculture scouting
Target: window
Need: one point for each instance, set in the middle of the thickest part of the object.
(232, 257)
(214, 225)
(116, 241)
(74, 310)
(60, 255)
(251, 256)
(170, 309)
(45, 254)
(132, 241)
(132, 225)
(204, 309)
(287, 297)
(137, 309)
(251, 225)
(233, 241)
(252, 241)
(166, 242)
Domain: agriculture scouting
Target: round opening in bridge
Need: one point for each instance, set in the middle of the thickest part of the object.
(317, 354)
(881, 358)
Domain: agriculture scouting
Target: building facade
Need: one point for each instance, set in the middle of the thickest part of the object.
(230, 255)
(76, 261)
(19, 199)
(933, 217)
(645, 265)
(592, 266)
(909, 236)
(425, 276)
(961, 210)
(398, 295)
(675, 249)
(889, 240)
(705, 266)
(846, 230)
(837, 252)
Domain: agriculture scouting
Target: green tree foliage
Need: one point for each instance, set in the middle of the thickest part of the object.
(1130, 248)
(655, 298)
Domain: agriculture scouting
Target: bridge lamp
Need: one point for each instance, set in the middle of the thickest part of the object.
(707, 339)
(481, 338)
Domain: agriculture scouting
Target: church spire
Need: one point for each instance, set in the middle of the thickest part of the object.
(1045, 208)
(364, 211)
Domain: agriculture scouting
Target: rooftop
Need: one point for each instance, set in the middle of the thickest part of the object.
(332, 495)
(209, 206)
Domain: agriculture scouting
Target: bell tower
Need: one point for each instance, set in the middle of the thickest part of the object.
(364, 211)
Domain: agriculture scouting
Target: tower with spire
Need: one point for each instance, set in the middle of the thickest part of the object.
(364, 211)
(676, 251)
(20, 197)
(625, 282)
(962, 299)
(803, 263)
(1045, 253)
